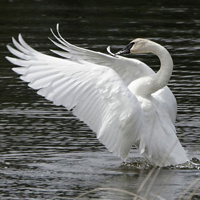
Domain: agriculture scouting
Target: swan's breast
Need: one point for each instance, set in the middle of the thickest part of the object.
(142, 87)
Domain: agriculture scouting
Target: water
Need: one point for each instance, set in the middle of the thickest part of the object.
(47, 153)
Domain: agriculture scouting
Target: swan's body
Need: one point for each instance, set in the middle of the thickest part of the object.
(121, 99)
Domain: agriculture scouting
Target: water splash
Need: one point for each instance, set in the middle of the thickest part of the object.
(193, 164)
(139, 163)
(136, 163)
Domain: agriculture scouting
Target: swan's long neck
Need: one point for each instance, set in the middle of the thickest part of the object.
(159, 80)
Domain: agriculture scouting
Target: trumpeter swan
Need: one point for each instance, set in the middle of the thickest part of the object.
(120, 99)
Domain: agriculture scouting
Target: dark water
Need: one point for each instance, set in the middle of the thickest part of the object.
(47, 153)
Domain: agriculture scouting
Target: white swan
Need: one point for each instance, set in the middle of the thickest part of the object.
(120, 99)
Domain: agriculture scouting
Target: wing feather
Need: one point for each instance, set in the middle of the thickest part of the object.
(128, 69)
(95, 93)
(26, 46)
(20, 47)
(159, 145)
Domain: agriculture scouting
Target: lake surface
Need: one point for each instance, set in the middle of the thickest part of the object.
(46, 152)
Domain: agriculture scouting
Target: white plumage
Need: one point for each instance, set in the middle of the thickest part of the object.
(110, 94)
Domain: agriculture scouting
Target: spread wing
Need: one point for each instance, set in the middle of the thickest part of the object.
(95, 93)
(128, 69)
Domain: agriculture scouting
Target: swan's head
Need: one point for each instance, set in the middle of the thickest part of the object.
(138, 45)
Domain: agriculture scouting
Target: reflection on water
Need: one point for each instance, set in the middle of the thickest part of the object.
(47, 153)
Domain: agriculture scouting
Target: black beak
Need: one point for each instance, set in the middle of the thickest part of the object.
(126, 50)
